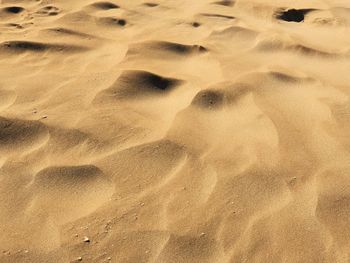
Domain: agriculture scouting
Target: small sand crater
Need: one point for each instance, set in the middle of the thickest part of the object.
(48, 11)
(151, 4)
(293, 15)
(37, 47)
(105, 5)
(225, 3)
(14, 9)
(112, 21)
(179, 48)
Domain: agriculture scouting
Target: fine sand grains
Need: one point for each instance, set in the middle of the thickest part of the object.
(175, 131)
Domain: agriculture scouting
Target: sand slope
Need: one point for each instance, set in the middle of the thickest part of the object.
(175, 131)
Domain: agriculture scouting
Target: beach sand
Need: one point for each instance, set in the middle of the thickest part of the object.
(175, 131)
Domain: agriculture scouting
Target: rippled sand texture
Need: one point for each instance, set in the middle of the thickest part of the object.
(175, 131)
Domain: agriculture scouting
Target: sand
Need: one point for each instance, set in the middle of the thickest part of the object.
(175, 131)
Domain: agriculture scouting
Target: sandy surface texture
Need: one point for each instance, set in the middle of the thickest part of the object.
(175, 131)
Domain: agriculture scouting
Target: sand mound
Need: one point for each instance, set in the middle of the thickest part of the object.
(164, 48)
(19, 134)
(137, 84)
(81, 190)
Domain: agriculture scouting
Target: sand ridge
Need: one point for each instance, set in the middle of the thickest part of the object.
(174, 131)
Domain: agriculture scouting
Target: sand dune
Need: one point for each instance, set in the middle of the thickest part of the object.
(175, 131)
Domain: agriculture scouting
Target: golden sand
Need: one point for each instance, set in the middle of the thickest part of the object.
(175, 131)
